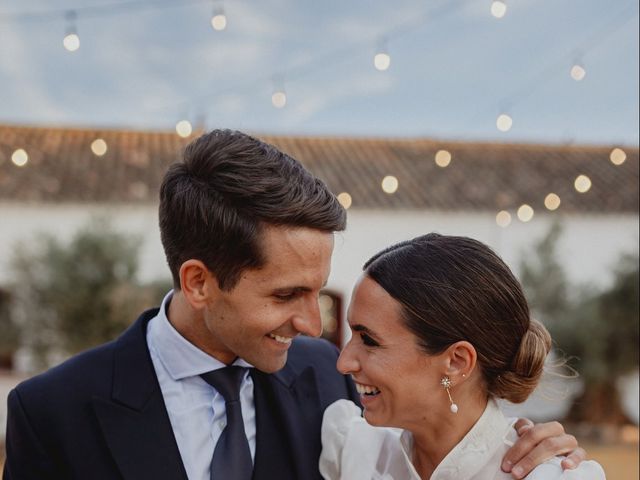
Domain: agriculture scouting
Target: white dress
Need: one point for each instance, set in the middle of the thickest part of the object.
(354, 450)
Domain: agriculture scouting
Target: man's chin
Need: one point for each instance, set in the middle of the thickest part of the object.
(271, 365)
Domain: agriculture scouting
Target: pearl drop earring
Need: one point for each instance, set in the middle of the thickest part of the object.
(446, 383)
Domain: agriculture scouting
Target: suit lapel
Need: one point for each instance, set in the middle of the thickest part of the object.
(288, 420)
(134, 420)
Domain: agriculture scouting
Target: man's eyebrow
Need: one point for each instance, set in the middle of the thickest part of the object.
(296, 289)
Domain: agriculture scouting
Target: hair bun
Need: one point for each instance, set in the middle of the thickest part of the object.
(519, 381)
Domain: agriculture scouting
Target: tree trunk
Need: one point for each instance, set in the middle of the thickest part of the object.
(599, 403)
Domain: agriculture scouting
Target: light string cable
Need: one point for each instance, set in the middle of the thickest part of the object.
(97, 11)
(323, 61)
(518, 95)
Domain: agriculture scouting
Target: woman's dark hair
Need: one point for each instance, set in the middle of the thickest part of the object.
(456, 288)
(215, 203)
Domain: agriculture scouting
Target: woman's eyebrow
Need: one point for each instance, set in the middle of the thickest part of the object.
(361, 328)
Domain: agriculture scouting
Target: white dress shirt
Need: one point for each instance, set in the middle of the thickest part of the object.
(196, 410)
(354, 450)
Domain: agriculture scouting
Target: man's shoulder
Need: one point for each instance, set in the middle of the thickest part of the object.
(317, 353)
(79, 373)
(313, 350)
(86, 372)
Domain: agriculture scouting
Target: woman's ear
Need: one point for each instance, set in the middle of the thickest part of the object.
(197, 283)
(460, 358)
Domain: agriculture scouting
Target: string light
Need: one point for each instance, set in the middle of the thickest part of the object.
(19, 157)
(219, 19)
(71, 40)
(279, 99)
(552, 201)
(443, 158)
(184, 128)
(582, 183)
(382, 59)
(504, 122)
(389, 184)
(503, 218)
(279, 95)
(578, 72)
(345, 200)
(617, 156)
(525, 213)
(99, 147)
(498, 8)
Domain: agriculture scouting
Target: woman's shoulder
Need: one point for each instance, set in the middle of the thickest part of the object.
(350, 446)
(342, 410)
(343, 419)
(552, 470)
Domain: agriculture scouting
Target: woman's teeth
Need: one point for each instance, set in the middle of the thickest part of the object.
(279, 339)
(366, 389)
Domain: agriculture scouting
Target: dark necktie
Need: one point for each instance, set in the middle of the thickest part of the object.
(232, 456)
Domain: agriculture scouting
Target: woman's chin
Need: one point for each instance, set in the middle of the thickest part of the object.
(372, 418)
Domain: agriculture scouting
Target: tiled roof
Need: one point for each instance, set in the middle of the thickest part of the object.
(481, 176)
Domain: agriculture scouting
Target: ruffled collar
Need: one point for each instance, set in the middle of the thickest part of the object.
(490, 433)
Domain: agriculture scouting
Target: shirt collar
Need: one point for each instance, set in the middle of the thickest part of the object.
(180, 357)
(490, 432)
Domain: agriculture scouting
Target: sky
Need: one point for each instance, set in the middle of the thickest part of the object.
(454, 67)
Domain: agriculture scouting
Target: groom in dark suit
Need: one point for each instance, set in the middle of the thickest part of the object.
(216, 383)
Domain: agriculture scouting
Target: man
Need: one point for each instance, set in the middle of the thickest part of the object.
(212, 384)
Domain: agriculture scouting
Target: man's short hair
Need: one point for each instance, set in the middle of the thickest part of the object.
(229, 186)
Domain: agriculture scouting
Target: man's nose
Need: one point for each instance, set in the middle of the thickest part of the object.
(309, 321)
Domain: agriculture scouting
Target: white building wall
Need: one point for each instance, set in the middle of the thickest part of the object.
(589, 247)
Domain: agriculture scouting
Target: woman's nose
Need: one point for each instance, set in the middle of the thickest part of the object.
(347, 361)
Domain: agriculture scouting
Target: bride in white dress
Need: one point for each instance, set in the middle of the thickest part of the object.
(440, 329)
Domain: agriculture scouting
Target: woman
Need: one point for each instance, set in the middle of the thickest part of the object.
(441, 329)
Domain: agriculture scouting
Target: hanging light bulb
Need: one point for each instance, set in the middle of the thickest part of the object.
(184, 128)
(498, 8)
(279, 95)
(552, 201)
(578, 72)
(345, 200)
(71, 39)
(19, 157)
(443, 158)
(219, 19)
(617, 156)
(582, 183)
(525, 213)
(503, 218)
(99, 147)
(279, 98)
(382, 59)
(389, 184)
(504, 122)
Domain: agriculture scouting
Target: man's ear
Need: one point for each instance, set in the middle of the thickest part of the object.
(197, 283)
(460, 359)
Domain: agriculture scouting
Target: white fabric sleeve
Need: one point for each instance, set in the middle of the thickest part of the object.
(335, 425)
(552, 470)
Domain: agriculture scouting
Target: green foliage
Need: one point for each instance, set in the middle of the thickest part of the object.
(600, 329)
(10, 332)
(73, 296)
(545, 281)
(618, 309)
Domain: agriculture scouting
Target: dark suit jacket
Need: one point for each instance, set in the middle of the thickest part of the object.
(101, 415)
